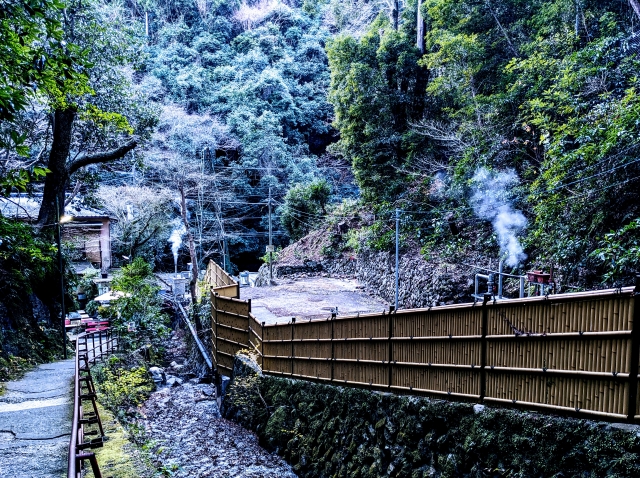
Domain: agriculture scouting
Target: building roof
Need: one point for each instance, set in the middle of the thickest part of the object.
(26, 208)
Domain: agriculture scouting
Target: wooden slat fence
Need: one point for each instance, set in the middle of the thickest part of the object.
(220, 282)
(571, 352)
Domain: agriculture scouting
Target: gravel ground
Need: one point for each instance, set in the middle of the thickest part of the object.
(188, 435)
(310, 298)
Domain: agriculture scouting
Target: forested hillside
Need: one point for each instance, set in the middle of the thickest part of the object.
(507, 106)
(500, 126)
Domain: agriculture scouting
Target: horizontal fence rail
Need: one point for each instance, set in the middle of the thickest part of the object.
(566, 353)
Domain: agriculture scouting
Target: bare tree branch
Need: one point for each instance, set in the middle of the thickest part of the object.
(102, 157)
(75, 192)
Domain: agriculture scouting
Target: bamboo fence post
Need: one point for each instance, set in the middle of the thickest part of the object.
(248, 322)
(635, 350)
(333, 352)
(215, 324)
(293, 324)
(262, 344)
(390, 350)
(483, 347)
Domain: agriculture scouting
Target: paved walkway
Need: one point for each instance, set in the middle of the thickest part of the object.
(35, 422)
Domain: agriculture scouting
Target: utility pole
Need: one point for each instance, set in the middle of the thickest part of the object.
(397, 254)
(270, 242)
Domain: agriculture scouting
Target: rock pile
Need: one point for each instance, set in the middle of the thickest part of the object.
(188, 438)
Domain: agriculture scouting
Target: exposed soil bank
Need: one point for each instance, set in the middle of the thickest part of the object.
(326, 431)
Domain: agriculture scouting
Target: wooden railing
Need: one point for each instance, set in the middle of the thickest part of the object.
(220, 282)
(572, 352)
(90, 347)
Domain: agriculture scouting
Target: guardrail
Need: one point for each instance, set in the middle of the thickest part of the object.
(570, 353)
(84, 391)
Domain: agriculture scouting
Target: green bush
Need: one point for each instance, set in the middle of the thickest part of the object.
(304, 206)
(28, 268)
(137, 316)
(121, 385)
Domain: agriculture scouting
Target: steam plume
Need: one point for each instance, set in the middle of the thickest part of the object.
(176, 241)
(490, 201)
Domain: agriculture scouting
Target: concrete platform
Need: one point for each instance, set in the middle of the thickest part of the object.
(309, 298)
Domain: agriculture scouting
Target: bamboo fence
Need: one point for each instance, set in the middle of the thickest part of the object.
(220, 282)
(573, 353)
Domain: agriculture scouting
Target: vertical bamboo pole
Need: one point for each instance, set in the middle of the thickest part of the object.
(390, 378)
(262, 344)
(215, 325)
(293, 324)
(333, 352)
(635, 349)
(483, 347)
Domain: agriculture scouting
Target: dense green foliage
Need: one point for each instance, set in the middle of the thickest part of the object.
(546, 89)
(378, 89)
(325, 431)
(304, 205)
(33, 59)
(28, 267)
(137, 314)
(122, 385)
(257, 75)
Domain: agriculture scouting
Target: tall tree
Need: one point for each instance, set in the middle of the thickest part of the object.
(34, 61)
(100, 125)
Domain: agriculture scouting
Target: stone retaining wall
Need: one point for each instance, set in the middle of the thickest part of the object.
(328, 431)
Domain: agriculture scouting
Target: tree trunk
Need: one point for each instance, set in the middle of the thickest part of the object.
(420, 27)
(635, 4)
(61, 168)
(395, 13)
(56, 181)
(192, 253)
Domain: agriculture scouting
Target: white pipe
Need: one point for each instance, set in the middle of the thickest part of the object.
(206, 357)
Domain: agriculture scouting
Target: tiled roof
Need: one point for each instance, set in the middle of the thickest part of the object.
(21, 206)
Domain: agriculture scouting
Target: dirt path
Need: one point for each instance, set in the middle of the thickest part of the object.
(189, 438)
(35, 423)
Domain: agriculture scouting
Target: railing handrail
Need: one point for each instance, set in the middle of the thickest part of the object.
(76, 453)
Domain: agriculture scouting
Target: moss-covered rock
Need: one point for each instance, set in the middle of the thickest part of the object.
(327, 431)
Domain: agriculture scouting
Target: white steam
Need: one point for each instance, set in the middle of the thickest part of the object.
(176, 241)
(490, 201)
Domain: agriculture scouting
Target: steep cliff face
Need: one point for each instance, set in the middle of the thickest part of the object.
(325, 431)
